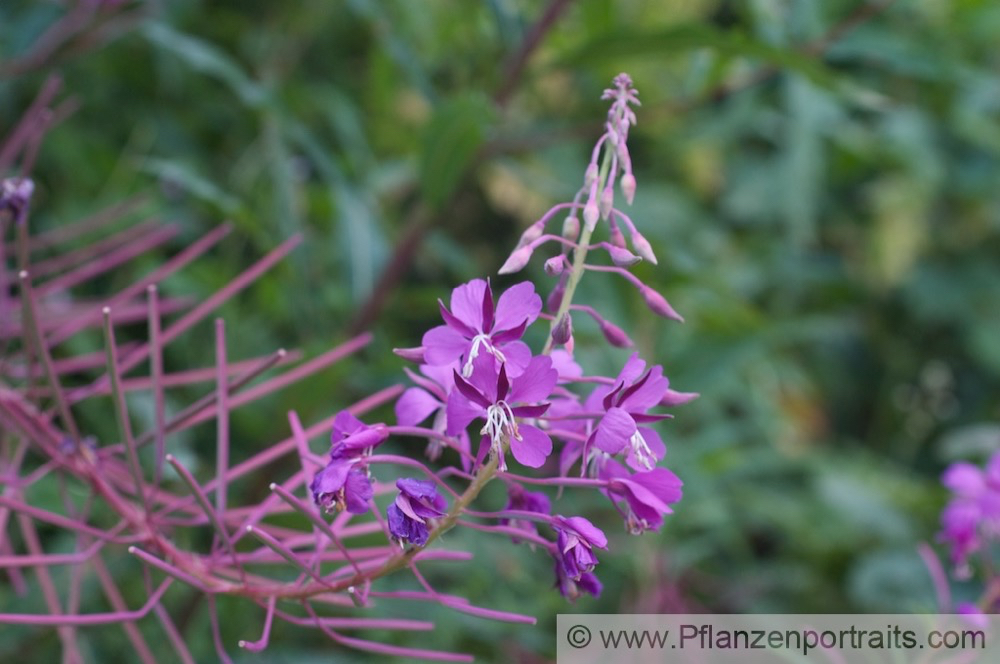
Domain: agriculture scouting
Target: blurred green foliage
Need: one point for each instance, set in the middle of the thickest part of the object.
(819, 179)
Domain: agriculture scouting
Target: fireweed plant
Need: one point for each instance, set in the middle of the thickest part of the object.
(490, 408)
(970, 528)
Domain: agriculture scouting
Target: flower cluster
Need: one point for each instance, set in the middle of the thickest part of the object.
(532, 408)
(973, 515)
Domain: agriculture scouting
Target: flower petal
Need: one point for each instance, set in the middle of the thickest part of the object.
(357, 492)
(533, 447)
(536, 382)
(443, 345)
(518, 303)
(614, 431)
(467, 303)
(460, 413)
(414, 406)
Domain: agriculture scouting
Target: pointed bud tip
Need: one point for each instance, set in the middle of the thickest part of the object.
(591, 213)
(673, 398)
(659, 305)
(622, 257)
(516, 261)
(411, 354)
(643, 248)
(555, 265)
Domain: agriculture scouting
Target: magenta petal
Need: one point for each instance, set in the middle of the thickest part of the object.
(965, 479)
(633, 368)
(662, 482)
(518, 355)
(357, 492)
(443, 345)
(460, 413)
(345, 424)
(587, 531)
(533, 447)
(404, 506)
(518, 303)
(536, 382)
(467, 303)
(414, 406)
(649, 393)
(484, 375)
(614, 431)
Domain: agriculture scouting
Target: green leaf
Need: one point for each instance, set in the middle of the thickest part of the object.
(450, 140)
(208, 59)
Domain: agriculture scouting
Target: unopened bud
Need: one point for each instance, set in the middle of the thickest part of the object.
(615, 335)
(659, 305)
(411, 354)
(642, 247)
(563, 330)
(555, 265)
(673, 398)
(590, 175)
(571, 227)
(616, 238)
(517, 260)
(530, 234)
(607, 201)
(15, 195)
(554, 300)
(591, 214)
(622, 257)
(628, 187)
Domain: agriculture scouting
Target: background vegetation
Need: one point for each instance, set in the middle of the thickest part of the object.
(819, 179)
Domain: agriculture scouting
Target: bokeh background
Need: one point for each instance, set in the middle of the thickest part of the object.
(820, 180)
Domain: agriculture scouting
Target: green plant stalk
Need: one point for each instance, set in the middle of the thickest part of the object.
(579, 257)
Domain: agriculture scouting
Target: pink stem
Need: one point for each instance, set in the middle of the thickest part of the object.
(156, 378)
(261, 643)
(222, 416)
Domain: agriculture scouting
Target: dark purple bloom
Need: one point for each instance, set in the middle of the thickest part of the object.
(625, 408)
(418, 403)
(526, 501)
(474, 326)
(344, 483)
(647, 495)
(490, 395)
(974, 511)
(570, 588)
(575, 545)
(418, 501)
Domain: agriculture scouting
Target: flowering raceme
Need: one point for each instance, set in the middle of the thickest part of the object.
(541, 422)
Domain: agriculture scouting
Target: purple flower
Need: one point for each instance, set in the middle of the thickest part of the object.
(626, 404)
(575, 545)
(526, 501)
(490, 395)
(418, 501)
(474, 326)
(344, 483)
(647, 495)
(570, 588)
(974, 511)
(418, 403)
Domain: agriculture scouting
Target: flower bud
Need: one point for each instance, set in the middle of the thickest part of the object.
(622, 257)
(658, 304)
(615, 335)
(628, 187)
(15, 195)
(591, 214)
(563, 330)
(590, 175)
(530, 234)
(554, 299)
(673, 398)
(411, 354)
(555, 265)
(607, 201)
(642, 247)
(616, 238)
(517, 260)
(571, 227)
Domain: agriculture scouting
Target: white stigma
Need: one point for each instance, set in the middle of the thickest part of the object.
(641, 451)
(480, 339)
(500, 421)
